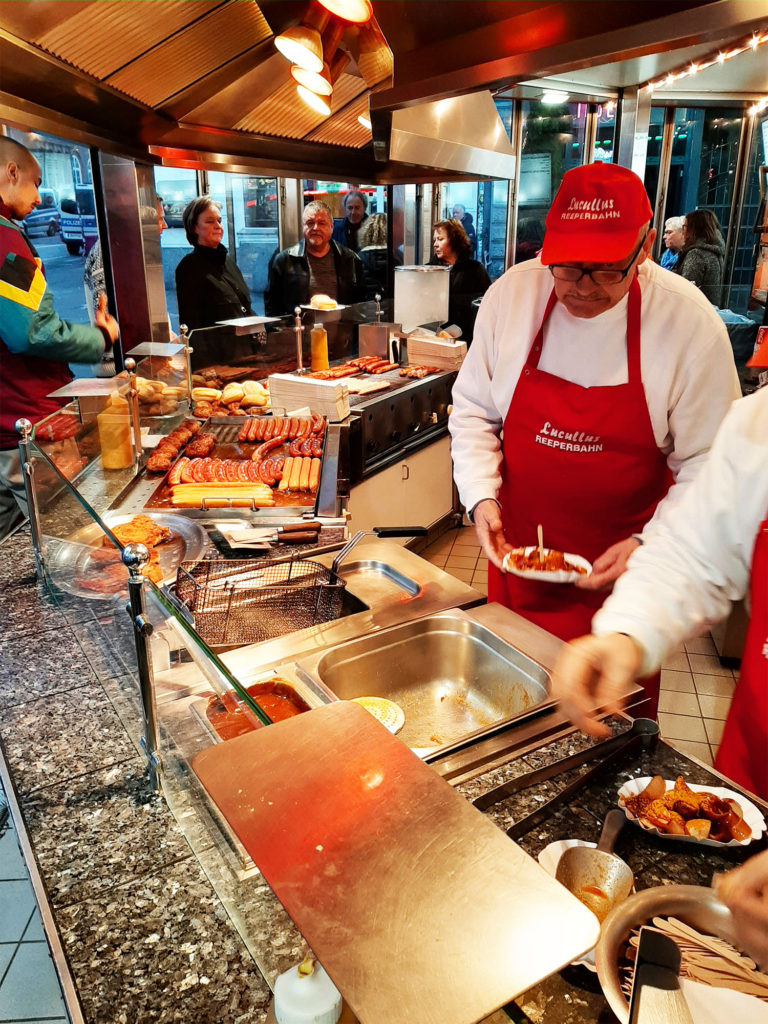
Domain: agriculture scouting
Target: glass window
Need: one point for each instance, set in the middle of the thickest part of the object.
(703, 162)
(249, 216)
(481, 206)
(553, 143)
(176, 186)
(740, 275)
(63, 228)
(606, 133)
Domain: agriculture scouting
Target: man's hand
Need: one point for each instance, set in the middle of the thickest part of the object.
(595, 672)
(609, 566)
(490, 533)
(102, 318)
(745, 892)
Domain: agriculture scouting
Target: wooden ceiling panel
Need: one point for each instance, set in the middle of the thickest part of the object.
(104, 35)
(343, 128)
(192, 53)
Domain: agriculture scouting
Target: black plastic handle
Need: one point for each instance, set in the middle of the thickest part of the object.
(400, 531)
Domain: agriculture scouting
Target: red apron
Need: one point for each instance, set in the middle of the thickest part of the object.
(584, 463)
(743, 753)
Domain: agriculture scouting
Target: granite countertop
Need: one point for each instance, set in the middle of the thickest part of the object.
(148, 926)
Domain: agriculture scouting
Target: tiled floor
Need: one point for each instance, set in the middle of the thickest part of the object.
(696, 689)
(29, 986)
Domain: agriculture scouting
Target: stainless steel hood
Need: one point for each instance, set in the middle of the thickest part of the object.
(459, 133)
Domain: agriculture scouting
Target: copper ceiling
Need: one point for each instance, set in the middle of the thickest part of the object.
(200, 81)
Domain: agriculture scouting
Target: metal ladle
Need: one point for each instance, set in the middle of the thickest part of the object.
(598, 878)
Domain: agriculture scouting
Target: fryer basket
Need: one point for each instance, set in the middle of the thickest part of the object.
(244, 602)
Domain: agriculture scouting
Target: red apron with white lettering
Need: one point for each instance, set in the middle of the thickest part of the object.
(584, 463)
(743, 753)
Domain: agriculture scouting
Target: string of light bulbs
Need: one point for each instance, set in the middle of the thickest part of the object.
(748, 45)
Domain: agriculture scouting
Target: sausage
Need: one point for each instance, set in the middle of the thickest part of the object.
(286, 474)
(306, 445)
(277, 469)
(293, 483)
(294, 448)
(279, 426)
(293, 428)
(304, 428)
(253, 472)
(175, 474)
(219, 470)
(231, 471)
(306, 464)
(314, 474)
(188, 472)
(243, 435)
(242, 471)
(267, 446)
(317, 447)
(385, 368)
(318, 423)
(196, 470)
(264, 473)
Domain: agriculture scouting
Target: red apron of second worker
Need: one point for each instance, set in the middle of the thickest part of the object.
(613, 482)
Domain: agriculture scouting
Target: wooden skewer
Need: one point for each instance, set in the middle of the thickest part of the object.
(540, 535)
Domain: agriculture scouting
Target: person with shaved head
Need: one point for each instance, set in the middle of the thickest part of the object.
(35, 343)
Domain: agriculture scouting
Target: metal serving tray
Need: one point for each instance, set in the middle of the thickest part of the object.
(226, 429)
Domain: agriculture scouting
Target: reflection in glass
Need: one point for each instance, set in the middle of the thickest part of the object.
(553, 143)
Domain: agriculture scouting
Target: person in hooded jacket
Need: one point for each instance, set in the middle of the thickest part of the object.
(702, 257)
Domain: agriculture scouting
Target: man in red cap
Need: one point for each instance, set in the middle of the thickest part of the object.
(595, 382)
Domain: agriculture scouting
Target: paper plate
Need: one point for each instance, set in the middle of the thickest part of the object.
(549, 858)
(752, 815)
(560, 576)
(385, 711)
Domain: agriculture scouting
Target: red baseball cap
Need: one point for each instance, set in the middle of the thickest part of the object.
(596, 215)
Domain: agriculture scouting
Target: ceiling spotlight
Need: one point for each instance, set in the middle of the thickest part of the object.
(302, 46)
(317, 103)
(552, 96)
(364, 121)
(350, 10)
(318, 82)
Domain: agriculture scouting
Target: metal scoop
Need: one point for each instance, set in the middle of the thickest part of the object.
(598, 878)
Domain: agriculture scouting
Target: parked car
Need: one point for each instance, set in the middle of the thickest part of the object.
(78, 221)
(45, 219)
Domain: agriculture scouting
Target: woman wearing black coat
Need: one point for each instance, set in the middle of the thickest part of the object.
(209, 285)
(469, 278)
(702, 258)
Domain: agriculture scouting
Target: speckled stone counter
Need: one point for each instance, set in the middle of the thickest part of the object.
(151, 930)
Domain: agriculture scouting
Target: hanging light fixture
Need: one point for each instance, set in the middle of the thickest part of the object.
(316, 81)
(364, 121)
(350, 10)
(302, 46)
(318, 103)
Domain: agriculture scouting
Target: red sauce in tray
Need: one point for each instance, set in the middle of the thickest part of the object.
(230, 718)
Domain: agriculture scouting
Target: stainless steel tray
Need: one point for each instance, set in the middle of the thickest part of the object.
(67, 560)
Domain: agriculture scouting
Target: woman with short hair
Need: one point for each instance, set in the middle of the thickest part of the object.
(469, 278)
(209, 285)
(702, 258)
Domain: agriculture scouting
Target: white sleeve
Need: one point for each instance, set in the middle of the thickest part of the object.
(698, 558)
(475, 421)
(705, 386)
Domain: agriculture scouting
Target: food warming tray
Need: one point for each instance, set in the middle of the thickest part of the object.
(226, 430)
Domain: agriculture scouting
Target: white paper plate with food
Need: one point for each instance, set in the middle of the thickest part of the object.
(545, 564)
(707, 815)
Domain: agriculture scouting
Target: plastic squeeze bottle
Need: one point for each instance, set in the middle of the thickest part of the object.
(114, 423)
(318, 340)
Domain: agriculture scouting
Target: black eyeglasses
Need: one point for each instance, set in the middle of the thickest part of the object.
(562, 272)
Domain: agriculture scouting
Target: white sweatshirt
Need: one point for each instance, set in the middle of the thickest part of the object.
(698, 559)
(687, 367)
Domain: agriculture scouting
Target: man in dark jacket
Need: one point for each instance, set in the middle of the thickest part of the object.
(35, 344)
(314, 266)
(346, 230)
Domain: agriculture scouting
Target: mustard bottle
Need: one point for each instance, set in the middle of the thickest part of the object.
(318, 340)
(114, 424)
